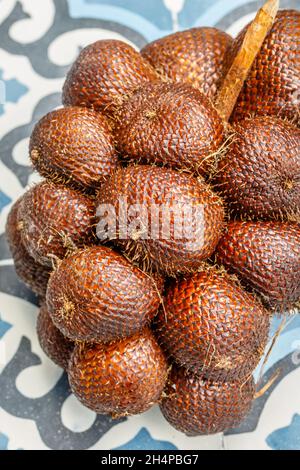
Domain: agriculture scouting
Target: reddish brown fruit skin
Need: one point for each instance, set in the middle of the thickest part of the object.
(164, 188)
(104, 74)
(266, 257)
(272, 86)
(97, 295)
(195, 56)
(212, 327)
(260, 175)
(196, 406)
(122, 378)
(53, 343)
(54, 220)
(33, 274)
(171, 124)
(73, 146)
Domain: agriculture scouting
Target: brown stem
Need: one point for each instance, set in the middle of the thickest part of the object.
(238, 72)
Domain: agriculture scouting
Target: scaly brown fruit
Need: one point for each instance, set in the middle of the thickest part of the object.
(266, 257)
(33, 274)
(260, 174)
(272, 86)
(97, 295)
(73, 146)
(195, 213)
(171, 124)
(195, 56)
(196, 406)
(53, 343)
(212, 327)
(121, 378)
(54, 220)
(104, 74)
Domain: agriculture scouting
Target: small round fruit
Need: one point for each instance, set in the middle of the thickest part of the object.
(53, 343)
(179, 218)
(196, 406)
(212, 327)
(260, 175)
(104, 74)
(195, 56)
(73, 146)
(272, 85)
(266, 257)
(121, 378)
(55, 219)
(33, 274)
(97, 295)
(171, 124)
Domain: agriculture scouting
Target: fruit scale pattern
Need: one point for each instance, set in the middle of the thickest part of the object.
(42, 238)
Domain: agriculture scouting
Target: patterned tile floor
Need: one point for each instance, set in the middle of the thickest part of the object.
(38, 41)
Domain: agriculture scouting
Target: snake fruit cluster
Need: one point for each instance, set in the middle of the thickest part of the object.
(162, 239)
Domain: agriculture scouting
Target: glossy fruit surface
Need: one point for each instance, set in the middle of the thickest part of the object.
(212, 327)
(121, 378)
(104, 74)
(73, 146)
(195, 56)
(272, 86)
(53, 343)
(196, 406)
(260, 174)
(266, 257)
(97, 295)
(171, 124)
(166, 220)
(55, 220)
(33, 274)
